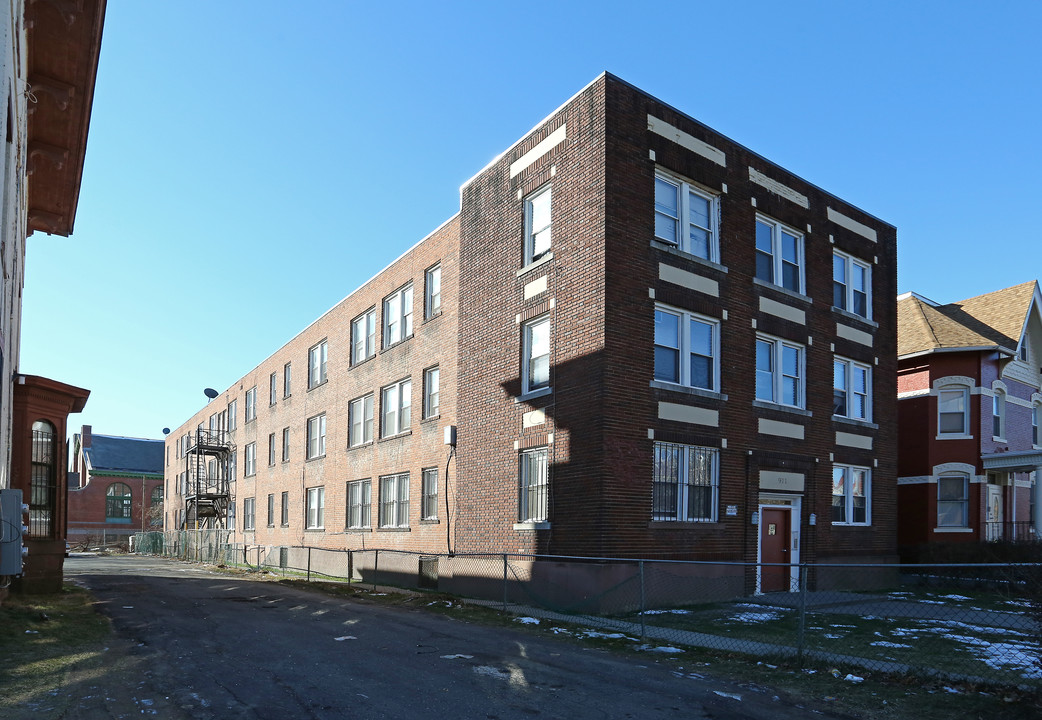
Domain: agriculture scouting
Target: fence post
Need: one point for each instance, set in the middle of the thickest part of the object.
(504, 582)
(802, 625)
(643, 599)
(309, 563)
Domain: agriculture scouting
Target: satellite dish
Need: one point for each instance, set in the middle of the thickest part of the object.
(166, 431)
(210, 393)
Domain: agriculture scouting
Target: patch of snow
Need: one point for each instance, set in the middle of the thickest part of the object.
(728, 695)
(345, 637)
(661, 649)
(598, 634)
(833, 636)
(952, 690)
(854, 679)
(457, 656)
(527, 620)
(955, 597)
(666, 612)
(751, 617)
(885, 643)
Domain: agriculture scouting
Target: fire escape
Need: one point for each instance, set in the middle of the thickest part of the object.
(206, 471)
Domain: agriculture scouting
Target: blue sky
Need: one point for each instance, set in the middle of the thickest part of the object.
(252, 163)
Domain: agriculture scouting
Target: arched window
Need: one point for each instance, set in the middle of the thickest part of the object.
(118, 503)
(44, 484)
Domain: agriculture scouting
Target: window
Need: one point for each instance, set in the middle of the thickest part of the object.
(363, 337)
(398, 316)
(396, 405)
(285, 444)
(231, 513)
(953, 501)
(533, 484)
(233, 418)
(251, 459)
(779, 255)
(361, 412)
(685, 349)
(316, 508)
(430, 392)
(535, 371)
(271, 510)
(249, 513)
(685, 217)
(851, 284)
(273, 385)
(287, 380)
(429, 494)
(43, 488)
(232, 465)
(394, 500)
(317, 365)
(316, 436)
(251, 404)
(271, 449)
(1034, 425)
(432, 292)
(285, 509)
(953, 404)
(851, 389)
(538, 228)
(998, 414)
(118, 503)
(685, 483)
(851, 495)
(779, 372)
(155, 510)
(358, 504)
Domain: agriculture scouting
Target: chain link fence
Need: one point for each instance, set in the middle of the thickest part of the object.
(960, 622)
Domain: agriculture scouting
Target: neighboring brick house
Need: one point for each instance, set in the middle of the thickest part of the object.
(652, 343)
(115, 487)
(969, 395)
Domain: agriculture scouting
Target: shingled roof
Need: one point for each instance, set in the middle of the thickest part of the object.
(993, 320)
(113, 454)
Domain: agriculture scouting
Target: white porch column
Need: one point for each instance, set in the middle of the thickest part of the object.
(1036, 490)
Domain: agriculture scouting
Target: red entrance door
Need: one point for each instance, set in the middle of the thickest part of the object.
(774, 548)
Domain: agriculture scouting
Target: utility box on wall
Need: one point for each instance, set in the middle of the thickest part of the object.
(12, 531)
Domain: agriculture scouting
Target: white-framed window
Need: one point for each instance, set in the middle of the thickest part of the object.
(271, 510)
(233, 468)
(431, 395)
(273, 384)
(998, 414)
(686, 217)
(287, 380)
(1034, 424)
(361, 417)
(685, 485)
(316, 437)
(953, 501)
(538, 224)
(359, 509)
(284, 509)
(779, 371)
(271, 449)
(396, 407)
(533, 485)
(686, 348)
(953, 410)
(851, 389)
(249, 513)
(233, 415)
(317, 357)
(851, 284)
(394, 500)
(535, 354)
(251, 459)
(429, 494)
(251, 404)
(851, 495)
(779, 254)
(398, 316)
(363, 336)
(285, 444)
(316, 508)
(432, 292)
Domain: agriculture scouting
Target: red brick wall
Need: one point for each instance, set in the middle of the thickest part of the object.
(87, 508)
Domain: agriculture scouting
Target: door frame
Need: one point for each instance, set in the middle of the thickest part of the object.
(794, 504)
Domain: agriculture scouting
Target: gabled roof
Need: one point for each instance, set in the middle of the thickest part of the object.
(113, 454)
(994, 320)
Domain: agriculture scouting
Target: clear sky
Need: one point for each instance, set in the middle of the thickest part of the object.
(252, 163)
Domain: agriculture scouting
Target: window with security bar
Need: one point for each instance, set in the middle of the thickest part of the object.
(43, 488)
(686, 483)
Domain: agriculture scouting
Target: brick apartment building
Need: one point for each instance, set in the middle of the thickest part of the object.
(650, 341)
(115, 487)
